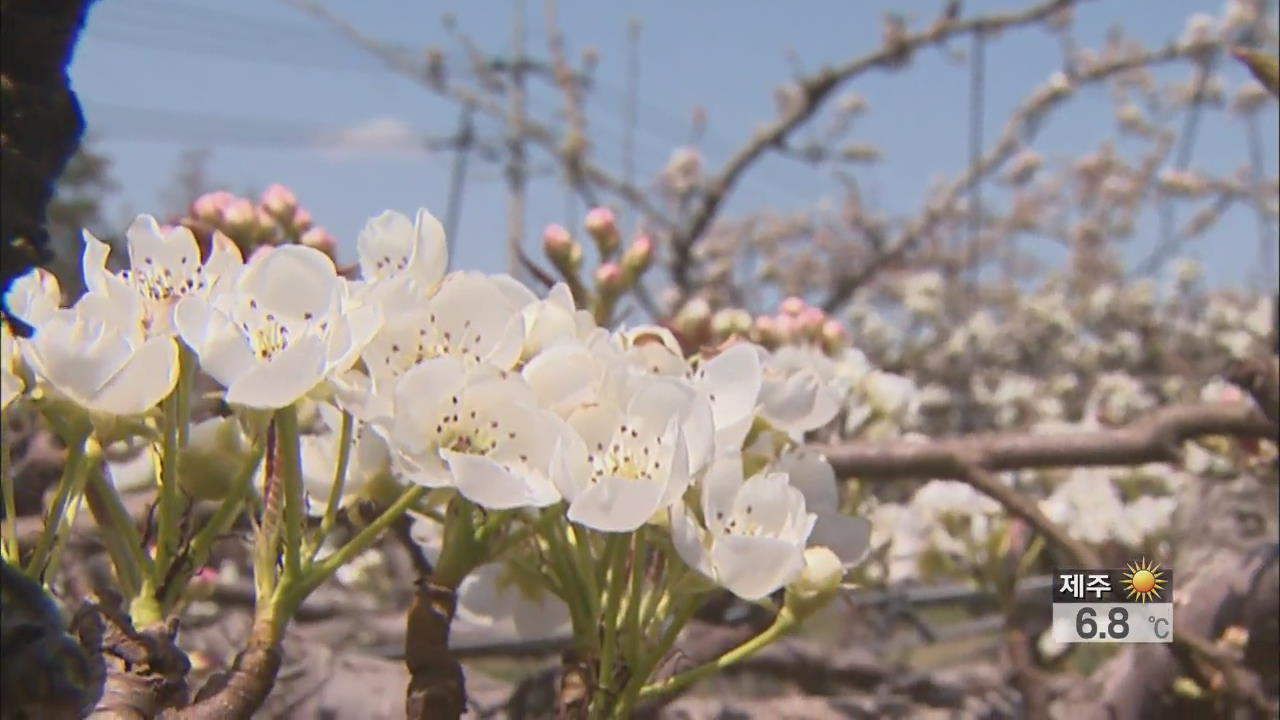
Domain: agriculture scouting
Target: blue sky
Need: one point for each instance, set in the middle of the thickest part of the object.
(259, 83)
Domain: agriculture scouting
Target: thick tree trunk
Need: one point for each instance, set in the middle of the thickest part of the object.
(40, 122)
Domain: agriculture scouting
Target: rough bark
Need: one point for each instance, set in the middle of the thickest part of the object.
(437, 688)
(40, 124)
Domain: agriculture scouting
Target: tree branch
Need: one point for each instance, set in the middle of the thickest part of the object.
(1155, 438)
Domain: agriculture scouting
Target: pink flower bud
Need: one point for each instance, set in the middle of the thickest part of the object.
(788, 327)
(320, 239)
(240, 213)
(609, 279)
(265, 221)
(556, 240)
(834, 335)
(811, 320)
(211, 206)
(766, 330)
(279, 201)
(302, 220)
(604, 230)
(637, 259)
(793, 306)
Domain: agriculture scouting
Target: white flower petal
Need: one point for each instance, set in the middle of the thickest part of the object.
(283, 379)
(848, 537)
(146, 379)
(615, 504)
(753, 567)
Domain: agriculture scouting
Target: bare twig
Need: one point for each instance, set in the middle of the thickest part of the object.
(1018, 130)
(813, 90)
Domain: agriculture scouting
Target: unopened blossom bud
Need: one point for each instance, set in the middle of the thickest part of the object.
(1186, 183)
(731, 321)
(1059, 84)
(280, 202)
(637, 258)
(266, 222)
(240, 214)
(320, 239)
(818, 582)
(834, 336)
(811, 320)
(557, 242)
(793, 306)
(211, 207)
(788, 328)
(610, 280)
(302, 220)
(693, 318)
(603, 228)
(766, 331)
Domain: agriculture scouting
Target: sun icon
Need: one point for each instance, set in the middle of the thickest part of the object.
(1144, 581)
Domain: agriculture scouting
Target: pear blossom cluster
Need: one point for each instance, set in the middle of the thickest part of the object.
(462, 382)
(276, 218)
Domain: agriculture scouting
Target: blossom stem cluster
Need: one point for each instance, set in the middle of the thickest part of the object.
(559, 474)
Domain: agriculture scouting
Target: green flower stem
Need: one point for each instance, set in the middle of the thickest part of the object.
(266, 546)
(645, 667)
(324, 569)
(9, 542)
(169, 510)
(69, 487)
(91, 459)
(587, 566)
(339, 483)
(783, 623)
(220, 523)
(118, 534)
(631, 628)
(290, 447)
(616, 563)
(657, 594)
(186, 378)
(564, 559)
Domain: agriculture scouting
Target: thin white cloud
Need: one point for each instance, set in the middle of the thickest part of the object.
(378, 134)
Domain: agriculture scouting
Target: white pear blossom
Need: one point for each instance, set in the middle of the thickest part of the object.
(810, 473)
(1088, 505)
(401, 259)
(753, 534)
(634, 451)
(496, 597)
(285, 325)
(731, 383)
(554, 320)
(478, 429)
(164, 267)
(796, 395)
(472, 316)
(96, 353)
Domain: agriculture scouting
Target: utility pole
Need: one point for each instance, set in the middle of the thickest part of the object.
(516, 164)
(458, 178)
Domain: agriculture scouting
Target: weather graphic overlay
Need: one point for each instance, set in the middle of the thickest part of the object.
(1133, 605)
(1143, 581)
